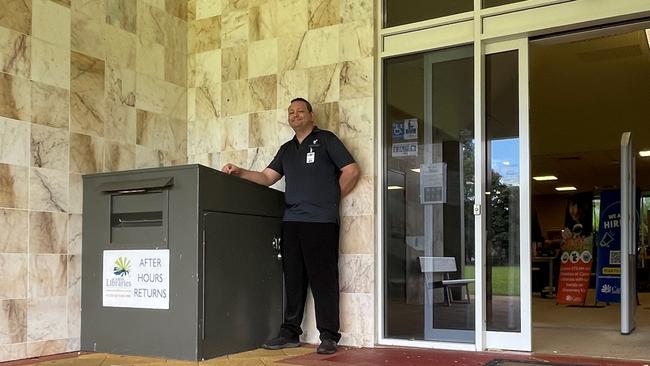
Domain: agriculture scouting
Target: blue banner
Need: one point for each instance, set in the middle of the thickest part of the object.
(608, 269)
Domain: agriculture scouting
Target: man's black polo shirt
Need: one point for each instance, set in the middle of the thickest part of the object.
(312, 170)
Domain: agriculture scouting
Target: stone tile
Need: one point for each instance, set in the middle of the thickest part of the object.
(324, 84)
(51, 22)
(122, 14)
(48, 232)
(235, 130)
(75, 193)
(234, 97)
(234, 28)
(293, 15)
(177, 8)
(14, 142)
(66, 3)
(207, 136)
(47, 275)
(323, 13)
(292, 84)
(43, 348)
(357, 323)
(150, 93)
(88, 35)
(13, 190)
(357, 40)
(234, 63)
(120, 48)
(263, 58)
(260, 157)
(13, 321)
(15, 53)
(118, 156)
(208, 68)
(14, 234)
(87, 112)
(49, 147)
(360, 201)
(44, 318)
(94, 8)
(208, 102)
(74, 233)
(74, 296)
(357, 273)
(17, 15)
(263, 93)
(152, 23)
(120, 85)
(148, 158)
(263, 21)
(356, 79)
(237, 157)
(50, 105)
(50, 64)
(152, 129)
(320, 47)
(48, 190)
(120, 123)
(262, 130)
(327, 117)
(289, 50)
(356, 117)
(15, 97)
(176, 67)
(361, 149)
(85, 154)
(14, 276)
(204, 34)
(15, 351)
(352, 10)
(208, 8)
(150, 58)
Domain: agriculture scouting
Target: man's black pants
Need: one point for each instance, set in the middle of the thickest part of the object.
(310, 253)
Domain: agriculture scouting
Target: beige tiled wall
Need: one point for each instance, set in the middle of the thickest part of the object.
(99, 85)
(247, 60)
(86, 86)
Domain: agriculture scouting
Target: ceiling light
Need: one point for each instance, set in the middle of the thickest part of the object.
(564, 189)
(542, 178)
(644, 153)
(390, 188)
(417, 170)
(505, 162)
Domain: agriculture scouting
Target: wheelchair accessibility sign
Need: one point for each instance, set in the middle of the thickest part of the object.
(398, 131)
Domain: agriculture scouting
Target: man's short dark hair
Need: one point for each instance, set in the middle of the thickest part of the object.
(304, 101)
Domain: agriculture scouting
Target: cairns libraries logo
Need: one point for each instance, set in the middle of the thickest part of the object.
(122, 266)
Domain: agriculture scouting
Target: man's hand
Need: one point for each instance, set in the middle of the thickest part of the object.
(231, 169)
(267, 177)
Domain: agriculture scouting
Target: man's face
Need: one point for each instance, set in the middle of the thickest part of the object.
(299, 115)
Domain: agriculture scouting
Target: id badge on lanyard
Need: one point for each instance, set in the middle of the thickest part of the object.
(311, 156)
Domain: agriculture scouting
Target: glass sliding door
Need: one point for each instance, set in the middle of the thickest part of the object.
(428, 277)
(507, 200)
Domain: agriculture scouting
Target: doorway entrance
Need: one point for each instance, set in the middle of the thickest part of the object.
(586, 90)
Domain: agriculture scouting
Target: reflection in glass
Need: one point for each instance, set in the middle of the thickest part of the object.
(502, 187)
(429, 179)
(398, 12)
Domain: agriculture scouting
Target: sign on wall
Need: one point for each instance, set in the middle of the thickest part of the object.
(136, 279)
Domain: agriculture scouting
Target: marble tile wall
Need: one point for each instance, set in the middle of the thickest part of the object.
(86, 86)
(246, 61)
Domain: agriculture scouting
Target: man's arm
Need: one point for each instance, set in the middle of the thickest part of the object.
(266, 177)
(349, 178)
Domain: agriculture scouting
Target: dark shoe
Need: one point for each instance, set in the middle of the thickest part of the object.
(327, 347)
(281, 342)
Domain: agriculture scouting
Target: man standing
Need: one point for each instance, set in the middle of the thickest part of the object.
(319, 171)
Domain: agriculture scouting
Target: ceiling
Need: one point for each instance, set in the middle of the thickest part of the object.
(583, 94)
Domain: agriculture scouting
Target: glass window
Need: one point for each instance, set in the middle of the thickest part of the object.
(429, 178)
(398, 12)
(502, 188)
(492, 3)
